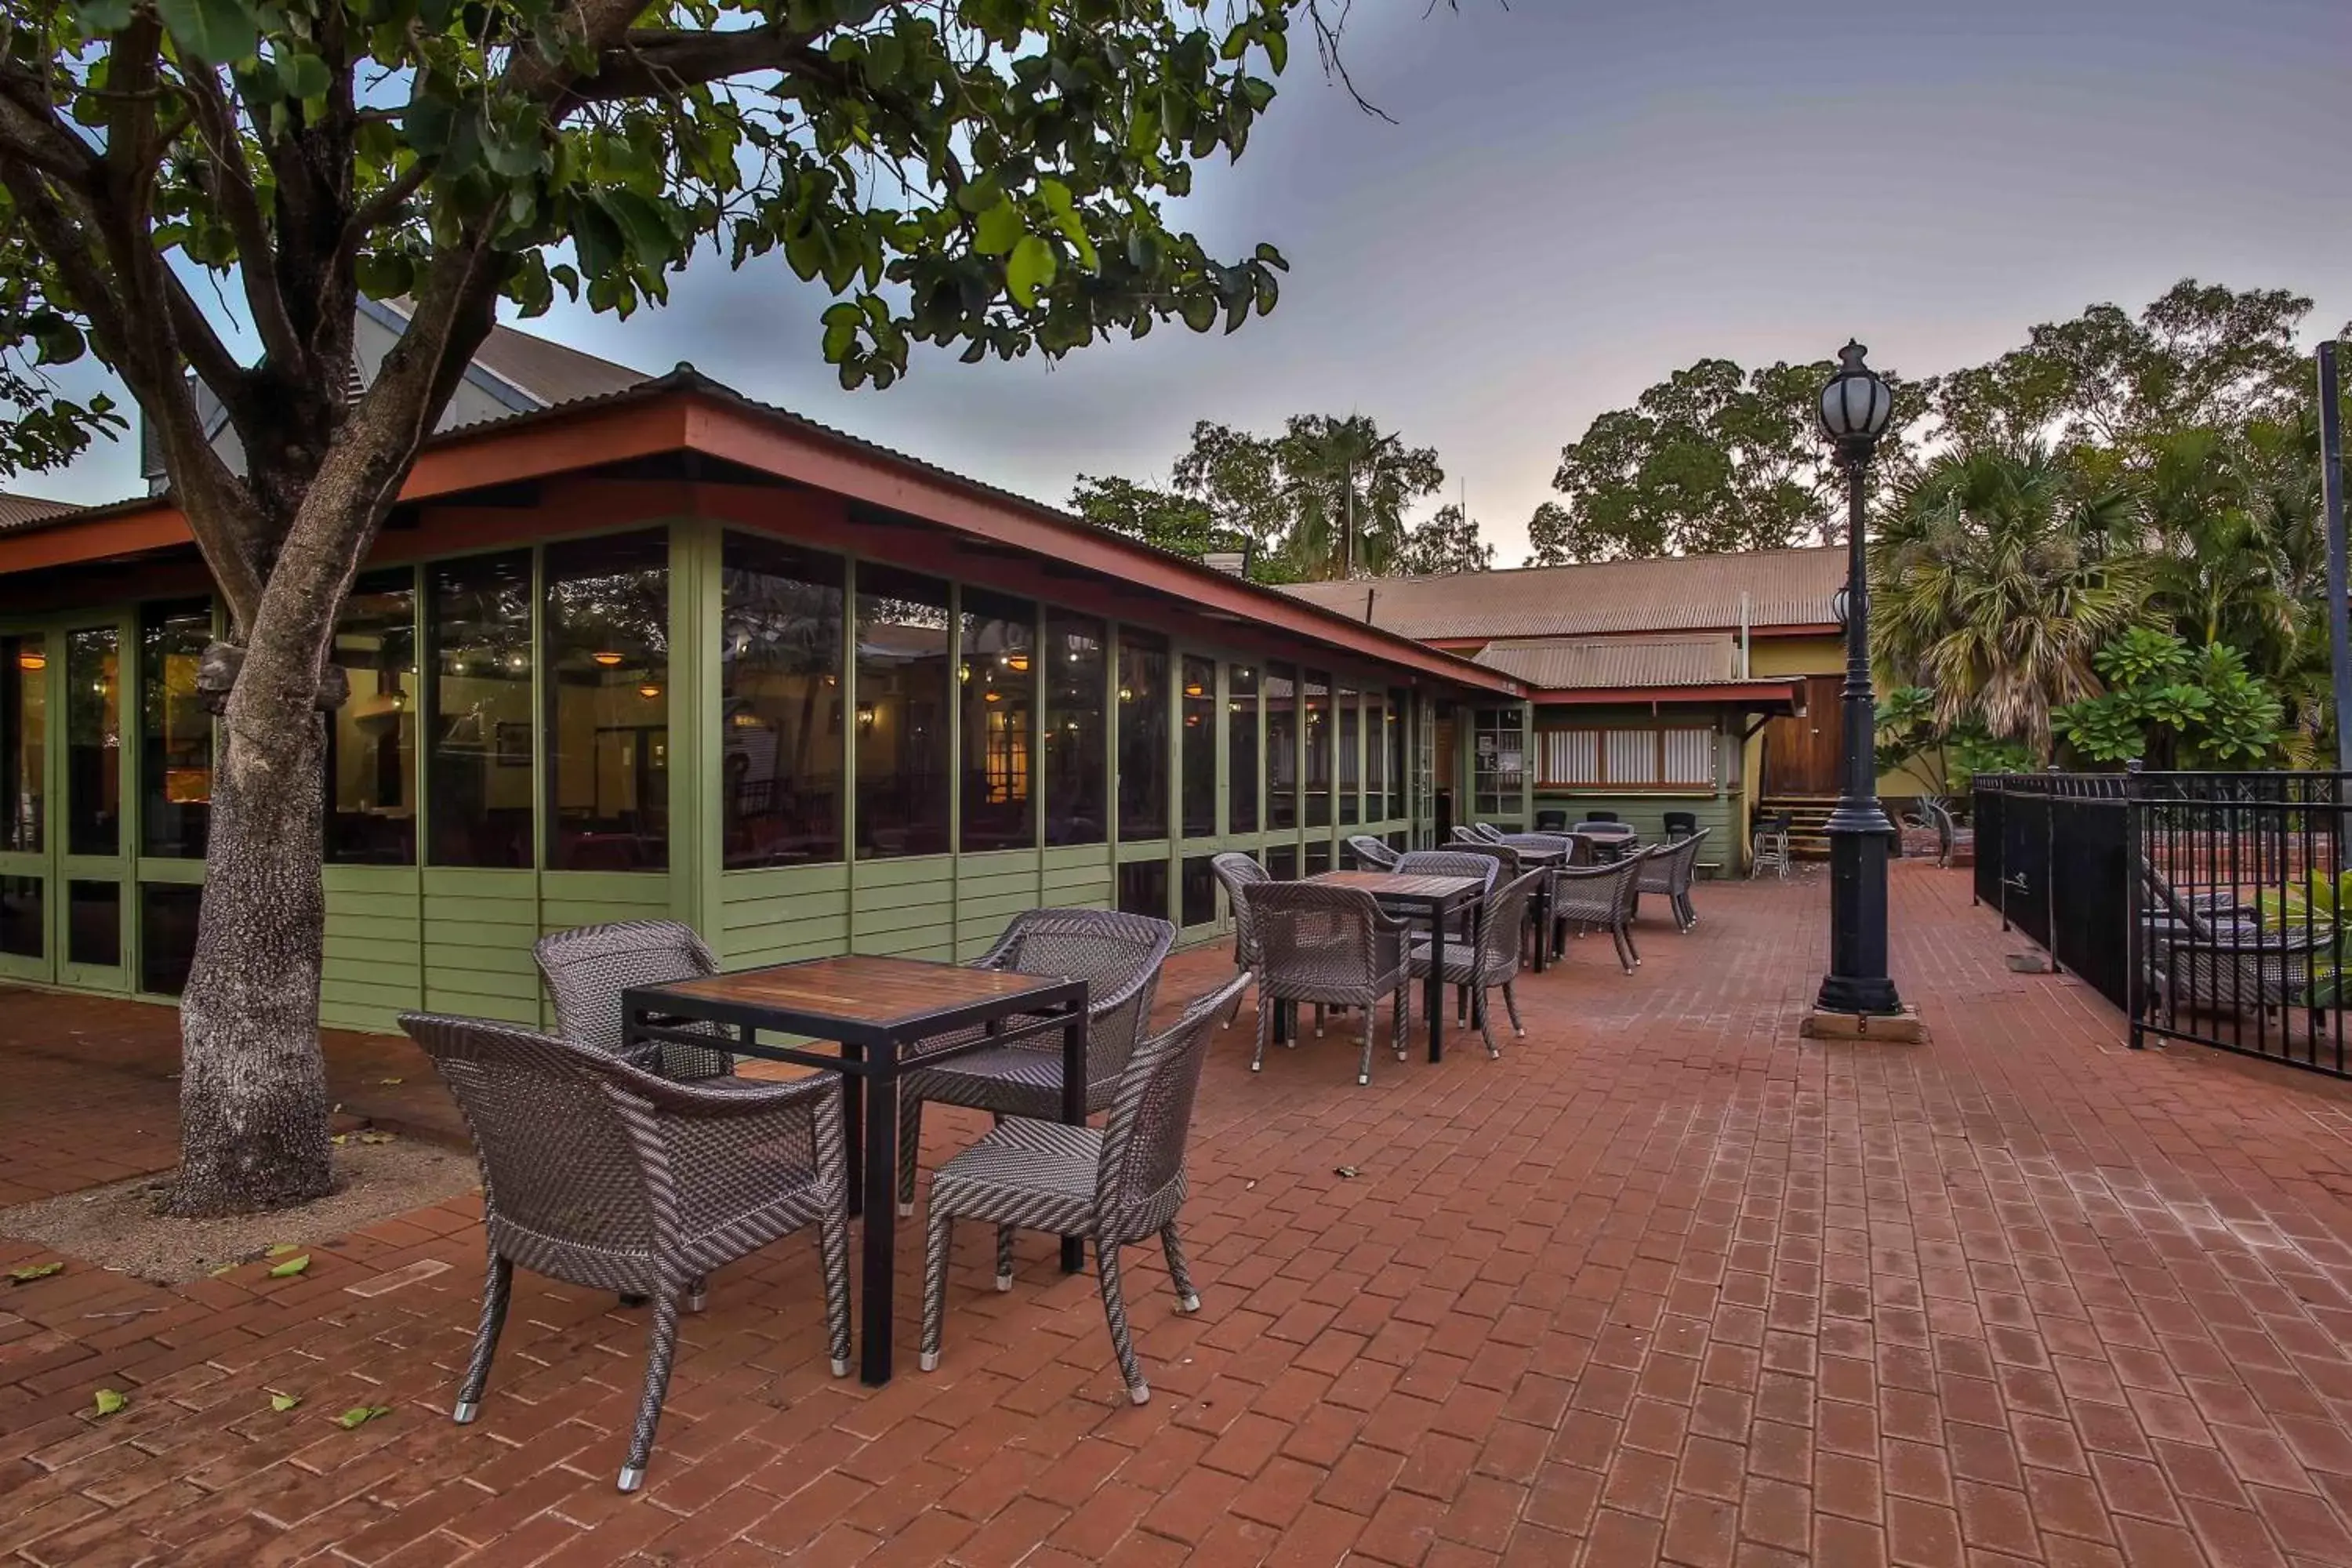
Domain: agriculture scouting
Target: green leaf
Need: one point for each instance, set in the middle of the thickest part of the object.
(282, 1402)
(58, 340)
(361, 1415)
(104, 15)
(304, 76)
(997, 231)
(32, 1271)
(108, 1402)
(1031, 270)
(281, 1250)
(291, 1267)
(220, 31)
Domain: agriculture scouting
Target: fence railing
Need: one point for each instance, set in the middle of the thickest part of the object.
(2205, 905)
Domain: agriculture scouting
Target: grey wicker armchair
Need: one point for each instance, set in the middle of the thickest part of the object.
(1600, 897)
(1332, 946)
(1119, 956)
(586, 970)
(1117, 1187)
(1374, 853)
(1237, 873)
(1668, 870)
(602, 1174)
(1490, 960)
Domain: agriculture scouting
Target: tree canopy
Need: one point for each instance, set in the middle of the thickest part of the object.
(1328, 496)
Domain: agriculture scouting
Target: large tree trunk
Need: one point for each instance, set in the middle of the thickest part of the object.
(253, 1087)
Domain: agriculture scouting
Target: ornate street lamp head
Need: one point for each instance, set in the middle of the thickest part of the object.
(1840, 605)
(1856, 403)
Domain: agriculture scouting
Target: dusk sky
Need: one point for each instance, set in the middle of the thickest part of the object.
(1580, 198)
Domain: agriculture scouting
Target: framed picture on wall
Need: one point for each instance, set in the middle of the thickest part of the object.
(513, 747)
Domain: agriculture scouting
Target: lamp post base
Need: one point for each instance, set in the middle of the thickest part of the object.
(1903, 1028)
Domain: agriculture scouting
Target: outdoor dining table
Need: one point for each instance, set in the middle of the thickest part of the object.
(875, 1008)
(1433, 900)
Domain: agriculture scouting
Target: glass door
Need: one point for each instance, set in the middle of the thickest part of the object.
(26, 950)
(88, 918)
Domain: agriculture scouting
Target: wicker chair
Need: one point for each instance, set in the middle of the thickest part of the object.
(1117, 1187)
(1600, 897)
(1551, 820)
(602, 1174)
(1332, 946)
(587, 969)
(1374, 853)
(1768, 845)
(1679, 824)
(1119, 956)
(1950, 837)
(1668, 870)
(1237, 873)
(1490, 960)
(2206, 951)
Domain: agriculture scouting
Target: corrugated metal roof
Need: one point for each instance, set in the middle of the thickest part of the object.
(16, 510)
(1670, 594)
(1557, 665)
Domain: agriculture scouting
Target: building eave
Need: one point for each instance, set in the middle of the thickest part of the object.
(1772, 696)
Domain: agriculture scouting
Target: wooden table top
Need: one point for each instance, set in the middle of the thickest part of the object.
(873, 991)
(1396, 885)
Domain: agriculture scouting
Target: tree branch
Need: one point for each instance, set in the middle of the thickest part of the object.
(241, 208)
(652, 61)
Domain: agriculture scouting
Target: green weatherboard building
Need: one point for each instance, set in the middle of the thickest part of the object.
(637, 649)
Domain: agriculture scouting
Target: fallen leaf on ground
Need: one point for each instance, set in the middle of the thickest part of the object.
(32, 1271)
(282, 1402)
(291, 1267)
(389, 1082)
(361, 1415)
(281, 1250)
(375, 1137)
(1343, 1169)
(108, 1402)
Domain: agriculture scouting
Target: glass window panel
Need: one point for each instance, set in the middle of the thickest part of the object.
(780, 691)
(1396, 748)
(607, 626)
(1317, 708)
(1000, 684)
(23, 742)
(176, 734)
(1498, 763)
(1318, 856)
(1077, 798)
(1198, 893)
(1349, 772)
(1282, 746)
(479, 793)
(1199, 748)
(1376, 759)
(167, 935)
(1144, 889)
(1242, 756)
(93, 742)
(22, 928)
(1282, 862)
(371, 739)
(1142, 737)
(94, 923)
(903, 692)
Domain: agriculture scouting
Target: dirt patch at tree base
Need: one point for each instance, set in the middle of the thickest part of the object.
(120, 1227)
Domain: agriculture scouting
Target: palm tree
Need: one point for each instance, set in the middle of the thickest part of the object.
(1349, 484)
(1996, 578)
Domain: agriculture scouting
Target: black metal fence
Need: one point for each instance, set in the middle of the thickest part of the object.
(2053, 856)
(2205, 905)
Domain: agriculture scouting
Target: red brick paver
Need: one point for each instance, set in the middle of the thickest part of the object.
(1664, 1283)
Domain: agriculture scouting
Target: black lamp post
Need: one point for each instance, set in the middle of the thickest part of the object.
(1856, 406)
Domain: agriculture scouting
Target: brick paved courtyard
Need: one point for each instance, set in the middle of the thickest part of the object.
(1664, 1283)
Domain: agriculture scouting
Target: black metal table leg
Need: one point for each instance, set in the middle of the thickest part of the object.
(1543, 926)
(1074, 1110)
(1433, 998)
(876, 1298)
(853, 1127)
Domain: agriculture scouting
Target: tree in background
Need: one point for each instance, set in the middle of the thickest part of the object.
(1161, 518)
(1328, 497)
(987, 176)
(1448, 543)
(2173, 706)
(1713, 458)
(1995, 579)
